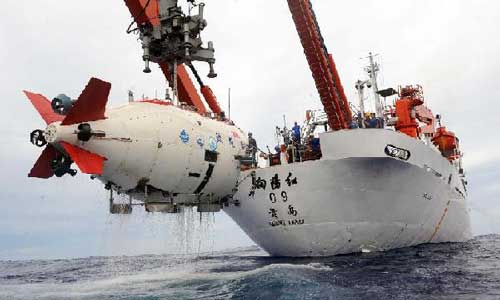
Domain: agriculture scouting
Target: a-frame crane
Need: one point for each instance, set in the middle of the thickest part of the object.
(172, 40)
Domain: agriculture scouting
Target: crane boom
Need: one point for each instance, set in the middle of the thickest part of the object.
(321, 64)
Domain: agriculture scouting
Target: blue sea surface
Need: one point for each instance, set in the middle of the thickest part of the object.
(440, 271)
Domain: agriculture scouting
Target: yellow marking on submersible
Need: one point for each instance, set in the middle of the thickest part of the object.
(440, 221)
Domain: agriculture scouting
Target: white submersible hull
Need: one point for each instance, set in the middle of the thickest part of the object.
(373, 189)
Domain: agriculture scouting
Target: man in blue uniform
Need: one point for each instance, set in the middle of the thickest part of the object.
(296, 140)
(296, 133)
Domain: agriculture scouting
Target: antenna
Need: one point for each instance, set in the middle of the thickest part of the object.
(372, 71)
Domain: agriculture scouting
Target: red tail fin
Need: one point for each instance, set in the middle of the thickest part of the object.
(87, 162)
(91, 104)
(42, 105)
(42, 168)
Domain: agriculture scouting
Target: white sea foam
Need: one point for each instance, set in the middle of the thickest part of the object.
(169, 279)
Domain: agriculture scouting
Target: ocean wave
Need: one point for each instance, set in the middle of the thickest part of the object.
(214, 273)
(446, 271)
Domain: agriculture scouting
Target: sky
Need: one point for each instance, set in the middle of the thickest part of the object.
(450, 47)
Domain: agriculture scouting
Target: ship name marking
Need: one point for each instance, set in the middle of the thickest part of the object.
(273, 198)
(291, 181)
(397, 152)
(293, 222)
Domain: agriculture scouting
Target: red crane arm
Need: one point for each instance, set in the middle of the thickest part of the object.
(146, 11)
(321, 64)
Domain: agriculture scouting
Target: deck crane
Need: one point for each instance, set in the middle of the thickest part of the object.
(172, 39)
(322, 65)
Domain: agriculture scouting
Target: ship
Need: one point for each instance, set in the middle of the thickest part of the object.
(346, 180)
(372, 190)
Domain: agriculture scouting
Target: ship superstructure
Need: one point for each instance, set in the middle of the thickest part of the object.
(370, 181)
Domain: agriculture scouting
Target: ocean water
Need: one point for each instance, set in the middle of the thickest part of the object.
(445, 271)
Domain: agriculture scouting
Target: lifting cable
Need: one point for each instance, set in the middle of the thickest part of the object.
(195, 73)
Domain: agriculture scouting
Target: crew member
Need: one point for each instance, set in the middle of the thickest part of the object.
(354, 123)
(373, 121)
(296, 141)
(252, 148)
(296, 133)
(284, 155)
(316, 147)
(275, 157)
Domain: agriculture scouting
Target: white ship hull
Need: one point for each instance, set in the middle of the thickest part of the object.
(356, 198)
